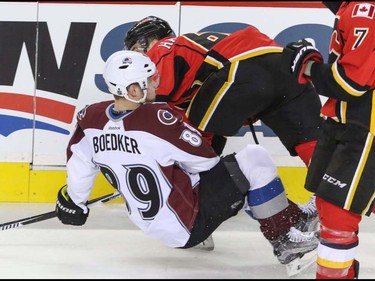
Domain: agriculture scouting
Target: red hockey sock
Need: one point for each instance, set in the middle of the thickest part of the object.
(281, 222)
(352, 273)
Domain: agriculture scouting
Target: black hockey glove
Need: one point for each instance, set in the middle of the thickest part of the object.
(67, 211)
(297, 54)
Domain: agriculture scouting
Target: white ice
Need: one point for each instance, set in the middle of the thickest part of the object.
(109, 246)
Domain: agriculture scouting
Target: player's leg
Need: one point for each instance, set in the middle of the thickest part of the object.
(343, 181)
(221, 195)
(296, 122)
(229, 96)
(338, 242)
(267, 203)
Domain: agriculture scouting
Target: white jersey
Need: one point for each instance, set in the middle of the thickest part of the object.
(151, 156)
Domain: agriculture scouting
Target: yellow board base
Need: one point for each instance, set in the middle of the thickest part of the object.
(293, 179)
(14, 182)
(44, 185)
(18, 183)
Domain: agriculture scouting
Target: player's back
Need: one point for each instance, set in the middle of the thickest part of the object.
(137, 152)
(243, 41)
(182, 60)
(178, 60)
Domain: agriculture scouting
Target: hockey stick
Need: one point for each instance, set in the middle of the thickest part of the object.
(252, 130)
(52, 214)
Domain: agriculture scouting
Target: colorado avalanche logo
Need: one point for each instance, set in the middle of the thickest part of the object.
(127, 60)
(166, 118)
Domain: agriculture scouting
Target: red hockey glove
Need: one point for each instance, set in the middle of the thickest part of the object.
(297, 54)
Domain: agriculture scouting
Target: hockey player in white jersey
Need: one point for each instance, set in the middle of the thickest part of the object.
(176, 188)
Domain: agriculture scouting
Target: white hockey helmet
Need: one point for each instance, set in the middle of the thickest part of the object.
(124, 68)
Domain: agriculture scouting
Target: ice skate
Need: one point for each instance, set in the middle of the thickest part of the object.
(206, 245)
(309, 220)
(300, 264)
(290, 249)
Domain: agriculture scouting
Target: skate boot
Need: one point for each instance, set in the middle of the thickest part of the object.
(294, 244)
(309, 220)
(295, 249)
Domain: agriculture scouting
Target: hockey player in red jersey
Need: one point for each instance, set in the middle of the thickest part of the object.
(342, 167)
(176, 188)
(223, 81)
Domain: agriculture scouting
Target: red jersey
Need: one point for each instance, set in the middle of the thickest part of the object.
(187, 60)
(178, 60)
(348, 80)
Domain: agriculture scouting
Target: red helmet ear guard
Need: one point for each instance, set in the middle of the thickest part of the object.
(145, 30)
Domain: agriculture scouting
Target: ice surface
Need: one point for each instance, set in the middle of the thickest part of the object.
(109, 246)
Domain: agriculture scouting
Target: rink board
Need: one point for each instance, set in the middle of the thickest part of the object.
(37, 112)
(19, 183)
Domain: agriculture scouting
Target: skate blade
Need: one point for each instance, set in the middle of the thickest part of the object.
(301, 264)
(206, 245)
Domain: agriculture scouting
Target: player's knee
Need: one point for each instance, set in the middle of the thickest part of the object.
(257, 165)
(336, 218)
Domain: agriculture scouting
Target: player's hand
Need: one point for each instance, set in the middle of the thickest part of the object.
(297, 55)
(67, 211)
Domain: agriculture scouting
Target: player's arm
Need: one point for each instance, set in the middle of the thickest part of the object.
(81, 173)
(200, 156)
(298, 58)
(186, 146)
(352, 74)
